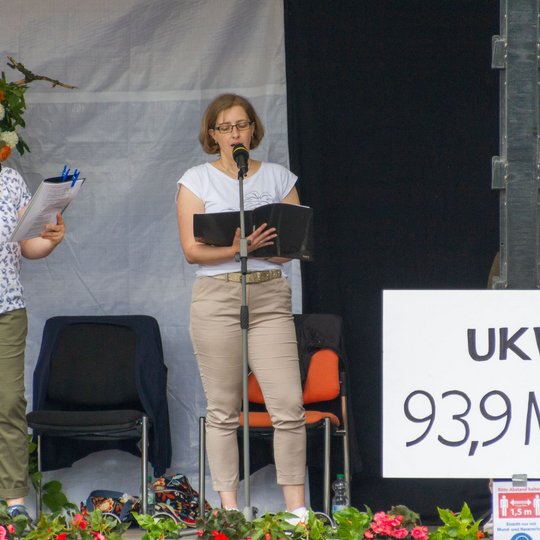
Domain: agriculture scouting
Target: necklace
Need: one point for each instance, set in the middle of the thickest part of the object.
(221, 166)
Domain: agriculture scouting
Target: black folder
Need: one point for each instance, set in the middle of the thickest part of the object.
(293, 223)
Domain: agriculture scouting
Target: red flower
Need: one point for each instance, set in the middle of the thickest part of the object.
(61, 536)
(10, 528)
(199, 532)
(79, 521)
(220, 536)
(480, 534)
(4, 152)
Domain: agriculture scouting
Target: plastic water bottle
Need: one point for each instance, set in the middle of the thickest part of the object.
(150, 496)
(340, 499)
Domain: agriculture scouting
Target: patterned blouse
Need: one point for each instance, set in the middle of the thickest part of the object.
(14, 195)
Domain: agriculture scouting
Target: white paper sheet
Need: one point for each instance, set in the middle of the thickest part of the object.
(52, 197)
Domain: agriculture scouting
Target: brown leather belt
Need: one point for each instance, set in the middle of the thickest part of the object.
(258, 276)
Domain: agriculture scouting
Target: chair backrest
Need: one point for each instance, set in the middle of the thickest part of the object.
(92, 366)
(322, 383)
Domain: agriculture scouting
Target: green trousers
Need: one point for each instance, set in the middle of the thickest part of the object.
(13, 426)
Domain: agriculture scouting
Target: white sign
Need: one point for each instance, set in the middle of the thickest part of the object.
(516, 511)
(461, 384)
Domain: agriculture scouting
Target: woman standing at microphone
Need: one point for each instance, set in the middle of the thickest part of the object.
(216, 334)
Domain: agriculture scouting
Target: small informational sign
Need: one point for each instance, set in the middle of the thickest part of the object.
(461, 383)
(516, 511)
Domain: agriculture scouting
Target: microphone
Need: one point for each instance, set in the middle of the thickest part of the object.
(241, 157)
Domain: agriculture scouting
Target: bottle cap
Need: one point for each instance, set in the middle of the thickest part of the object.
(340, 475)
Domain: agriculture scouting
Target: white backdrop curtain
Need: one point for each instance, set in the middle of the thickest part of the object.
(145, 72)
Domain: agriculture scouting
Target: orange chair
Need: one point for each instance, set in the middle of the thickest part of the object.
(324, 386)
(324, 383)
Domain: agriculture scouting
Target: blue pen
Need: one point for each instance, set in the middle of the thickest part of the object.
(75, 177)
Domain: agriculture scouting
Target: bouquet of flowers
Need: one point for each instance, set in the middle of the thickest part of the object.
(12, 107)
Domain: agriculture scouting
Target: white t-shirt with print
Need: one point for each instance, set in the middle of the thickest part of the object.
(14, 196)
(220, 193)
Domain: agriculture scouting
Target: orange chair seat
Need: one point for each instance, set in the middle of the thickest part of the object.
(262, 419)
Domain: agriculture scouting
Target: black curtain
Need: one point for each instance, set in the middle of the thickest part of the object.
(393, 120)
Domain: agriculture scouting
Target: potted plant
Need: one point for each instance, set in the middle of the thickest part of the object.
(460, 525)
(222, 524)
(158, 527)
(11, 528)
(398, 522)
(351, 523)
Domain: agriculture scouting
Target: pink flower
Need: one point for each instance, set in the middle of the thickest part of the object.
(199, 532)
(99, 536)
(3, 533)
(420, 533)
(399, 533)
(10, 529)
(386, 524)
(368, 534)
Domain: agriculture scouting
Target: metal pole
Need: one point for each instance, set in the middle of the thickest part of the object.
(326, 501)
(144, 466)
(202, 465)
(244, 324)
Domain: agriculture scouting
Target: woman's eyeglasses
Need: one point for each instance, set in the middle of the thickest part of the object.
(240, 126)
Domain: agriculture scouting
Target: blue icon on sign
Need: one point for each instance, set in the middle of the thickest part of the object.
(521, 536)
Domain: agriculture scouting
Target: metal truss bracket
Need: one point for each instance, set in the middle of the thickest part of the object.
(499, 172)
(498, 52)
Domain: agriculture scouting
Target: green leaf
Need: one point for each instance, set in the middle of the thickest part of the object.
(53, 486)
(55, 501)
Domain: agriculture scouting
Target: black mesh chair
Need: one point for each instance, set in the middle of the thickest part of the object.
(100, 382)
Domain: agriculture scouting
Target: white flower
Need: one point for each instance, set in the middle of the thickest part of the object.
(2, 112)
(10, 138)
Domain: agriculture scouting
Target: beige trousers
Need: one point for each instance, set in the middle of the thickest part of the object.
(13, 427)
(273, 357)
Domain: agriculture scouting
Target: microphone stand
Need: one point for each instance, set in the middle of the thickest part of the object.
(244, 324)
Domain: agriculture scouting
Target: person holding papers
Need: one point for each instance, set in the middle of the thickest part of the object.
(215, 329)
(14, 196)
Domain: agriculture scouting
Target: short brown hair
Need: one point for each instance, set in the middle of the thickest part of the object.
(222, 103)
